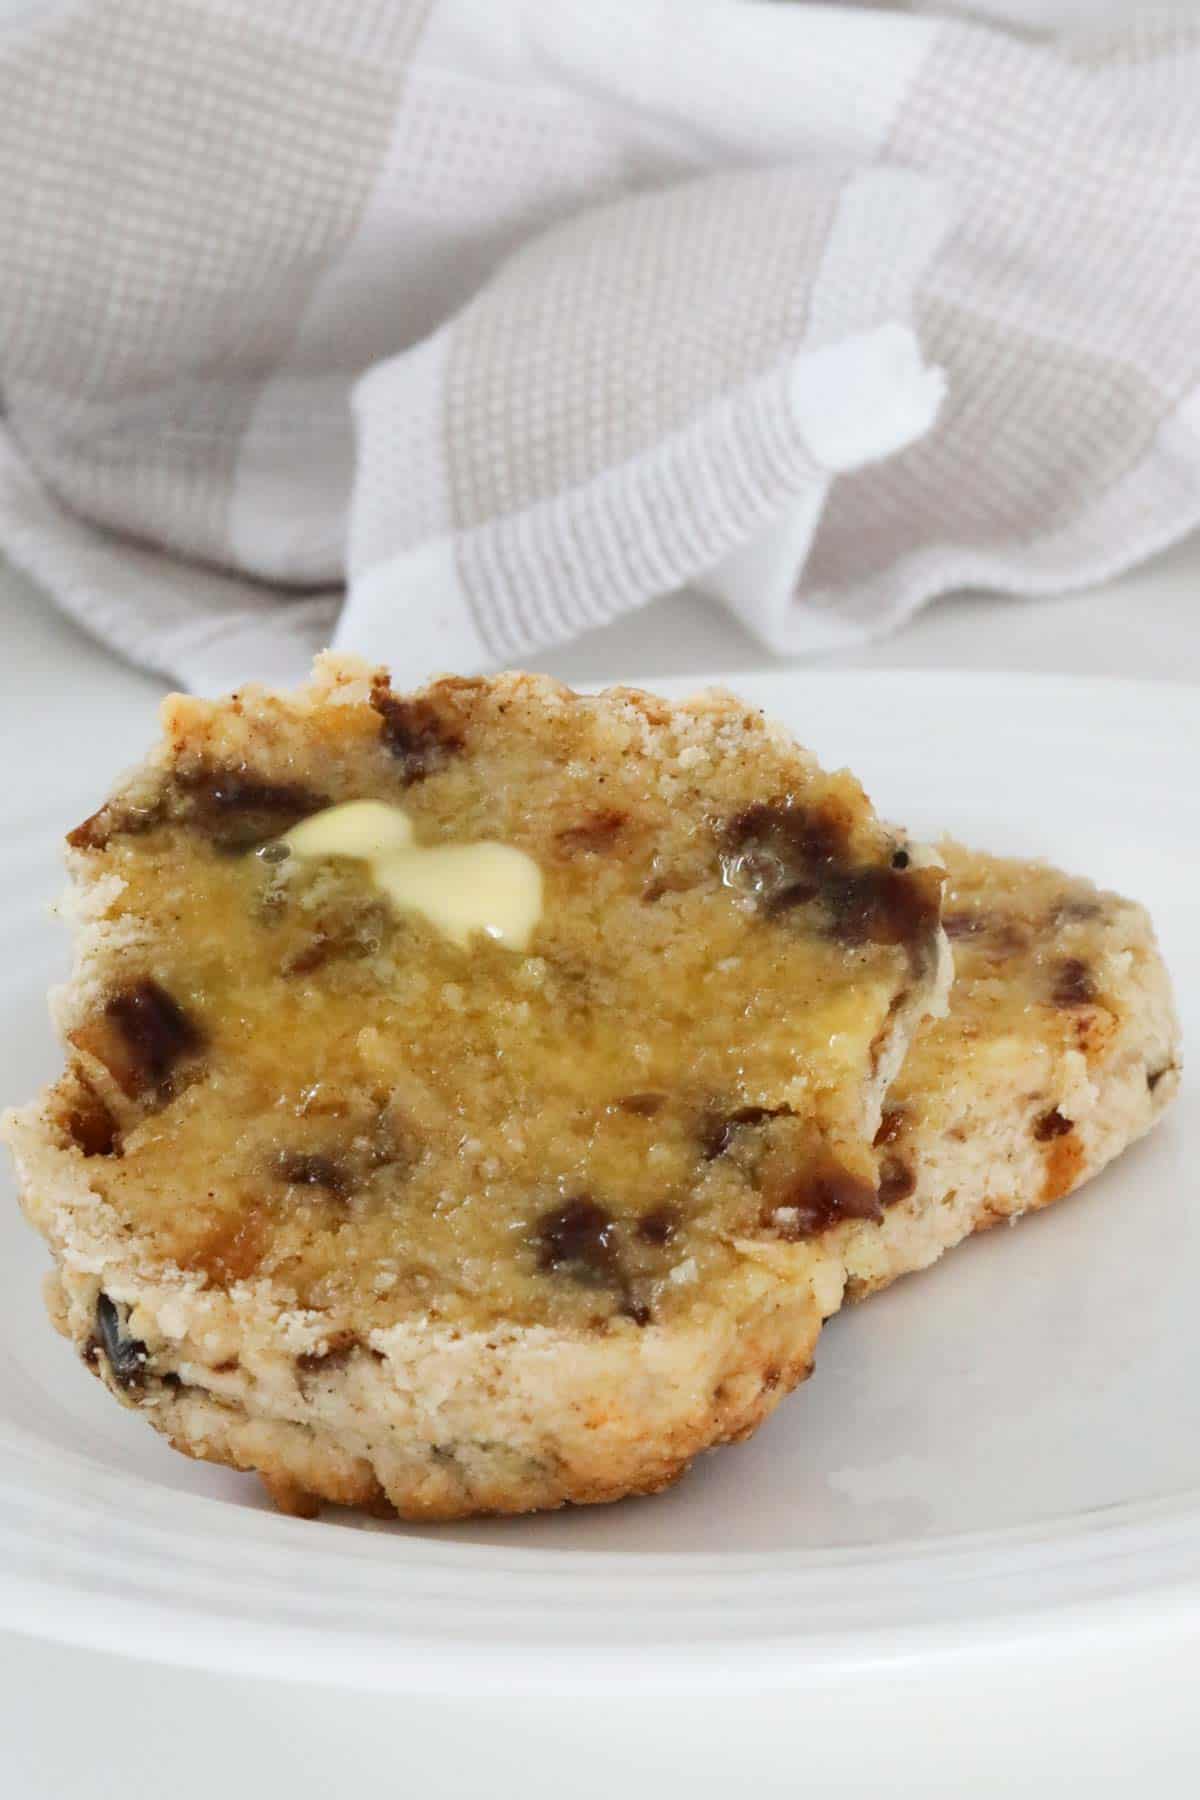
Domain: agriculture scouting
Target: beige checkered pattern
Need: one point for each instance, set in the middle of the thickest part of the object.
(617, 330)
(176, 178)
(1064, 309)
(514, 315)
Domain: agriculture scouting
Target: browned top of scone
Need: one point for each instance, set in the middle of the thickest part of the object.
(277, 1075)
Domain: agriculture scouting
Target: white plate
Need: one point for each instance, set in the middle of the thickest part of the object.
(1003, 1448)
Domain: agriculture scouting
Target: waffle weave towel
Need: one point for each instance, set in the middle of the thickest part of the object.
(449, 328)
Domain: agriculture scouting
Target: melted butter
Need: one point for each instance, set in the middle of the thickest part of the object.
(460, 889)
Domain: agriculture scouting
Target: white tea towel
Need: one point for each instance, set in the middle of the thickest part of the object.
(449, 328)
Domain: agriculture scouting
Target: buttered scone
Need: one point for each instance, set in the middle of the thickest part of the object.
(1060, 1048)
(457, 1083)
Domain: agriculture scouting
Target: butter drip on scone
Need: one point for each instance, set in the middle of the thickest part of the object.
(460, 889)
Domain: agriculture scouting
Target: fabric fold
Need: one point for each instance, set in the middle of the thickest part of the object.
(673, 406)
(513, 317)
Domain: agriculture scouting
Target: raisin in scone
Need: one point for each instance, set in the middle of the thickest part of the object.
(1060, 1048)
(457, 1082)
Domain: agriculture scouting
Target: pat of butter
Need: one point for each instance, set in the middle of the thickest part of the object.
(460, 889)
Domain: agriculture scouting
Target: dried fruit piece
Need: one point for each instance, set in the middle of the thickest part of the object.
(1074, 984)
(896, 1181)
(415, 732)
(580, 1236)
(660, 1226)
(642, 1106)
(717, 1129)
(91, 1125)
(302, 1169)
(238, 809)
(891, 1125)
(788, 855)
(126, 1356)
(594, 834)
(335, 1354)
(820, 1198)
(1052, 1124)
(141, 1037)
(116, 818)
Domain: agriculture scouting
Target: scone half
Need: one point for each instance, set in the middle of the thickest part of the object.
(1060, 1048)
(417, 1204)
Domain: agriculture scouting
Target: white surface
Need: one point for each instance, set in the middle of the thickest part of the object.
(1112, 1704)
